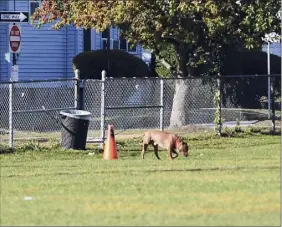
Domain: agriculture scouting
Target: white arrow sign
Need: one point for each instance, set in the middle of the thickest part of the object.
(20, 17)
(14, 17)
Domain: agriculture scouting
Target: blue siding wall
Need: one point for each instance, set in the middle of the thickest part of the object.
(3, 45)
(45, 53)
(79, 39)
(97, 44)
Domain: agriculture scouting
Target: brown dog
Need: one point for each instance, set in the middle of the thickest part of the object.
(165, 140)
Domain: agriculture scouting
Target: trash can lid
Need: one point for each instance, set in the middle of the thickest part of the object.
(78, 114)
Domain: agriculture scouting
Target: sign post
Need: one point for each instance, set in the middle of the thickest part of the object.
(15, 73)
(14, 47)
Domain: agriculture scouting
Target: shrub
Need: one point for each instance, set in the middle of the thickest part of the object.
(247, 92)
(250, 62)
(117, 63)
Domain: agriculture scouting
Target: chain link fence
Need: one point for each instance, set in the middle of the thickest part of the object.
(29, 109)
(245, 99)
(134, 105)
(92, 103)
(197, 104)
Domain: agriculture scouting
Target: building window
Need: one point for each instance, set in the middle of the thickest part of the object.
(126, 46)
(115, 44)
(123, 44)
(131, 47)
(105, 34)
(104, 40)
(33, 5)
(104, 44)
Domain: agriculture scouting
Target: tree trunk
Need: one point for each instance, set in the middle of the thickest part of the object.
(179, 113)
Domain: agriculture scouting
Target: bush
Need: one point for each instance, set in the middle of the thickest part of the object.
(247, 92)
(250, 62)
(117, 63)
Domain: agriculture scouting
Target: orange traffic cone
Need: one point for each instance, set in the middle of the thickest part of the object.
(110, 150)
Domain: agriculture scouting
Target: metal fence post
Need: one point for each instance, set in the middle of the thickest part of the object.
(268, 81)
(82, 94)
(76, 88)
(11, 126)
(273, 103)
(79, 91)
(162, 104)
(219, 106)
(104, 74)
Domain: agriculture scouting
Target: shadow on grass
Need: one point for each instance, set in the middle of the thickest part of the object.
(214, 169)
(6, 150)
(240, 133)
(132, 172)
(276, 133)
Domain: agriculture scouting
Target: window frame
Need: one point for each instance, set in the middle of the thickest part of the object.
(29, 8)
(30, 3)
(127, 47)
(119, 40)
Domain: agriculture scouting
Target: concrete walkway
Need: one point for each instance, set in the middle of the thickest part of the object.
(230, 124)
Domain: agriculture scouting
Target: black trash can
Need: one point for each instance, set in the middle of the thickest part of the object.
(74, 128)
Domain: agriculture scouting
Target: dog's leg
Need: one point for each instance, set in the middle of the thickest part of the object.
(176, 154)
(144, 148)
(170, 150)
(156, 151)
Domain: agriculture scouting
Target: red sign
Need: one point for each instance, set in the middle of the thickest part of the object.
(15, 39)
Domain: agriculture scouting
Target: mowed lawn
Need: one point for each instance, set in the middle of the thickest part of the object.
(224, 181)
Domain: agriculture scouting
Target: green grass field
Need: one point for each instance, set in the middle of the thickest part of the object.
(225, 181)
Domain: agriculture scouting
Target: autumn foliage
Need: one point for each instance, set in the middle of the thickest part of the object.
(199, 31)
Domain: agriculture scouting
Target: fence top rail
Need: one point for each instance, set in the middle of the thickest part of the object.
(37, 81)
(187, 78)
(254, 75)
(139, 78)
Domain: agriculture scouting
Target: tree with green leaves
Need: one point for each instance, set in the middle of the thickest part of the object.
(197, 33)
